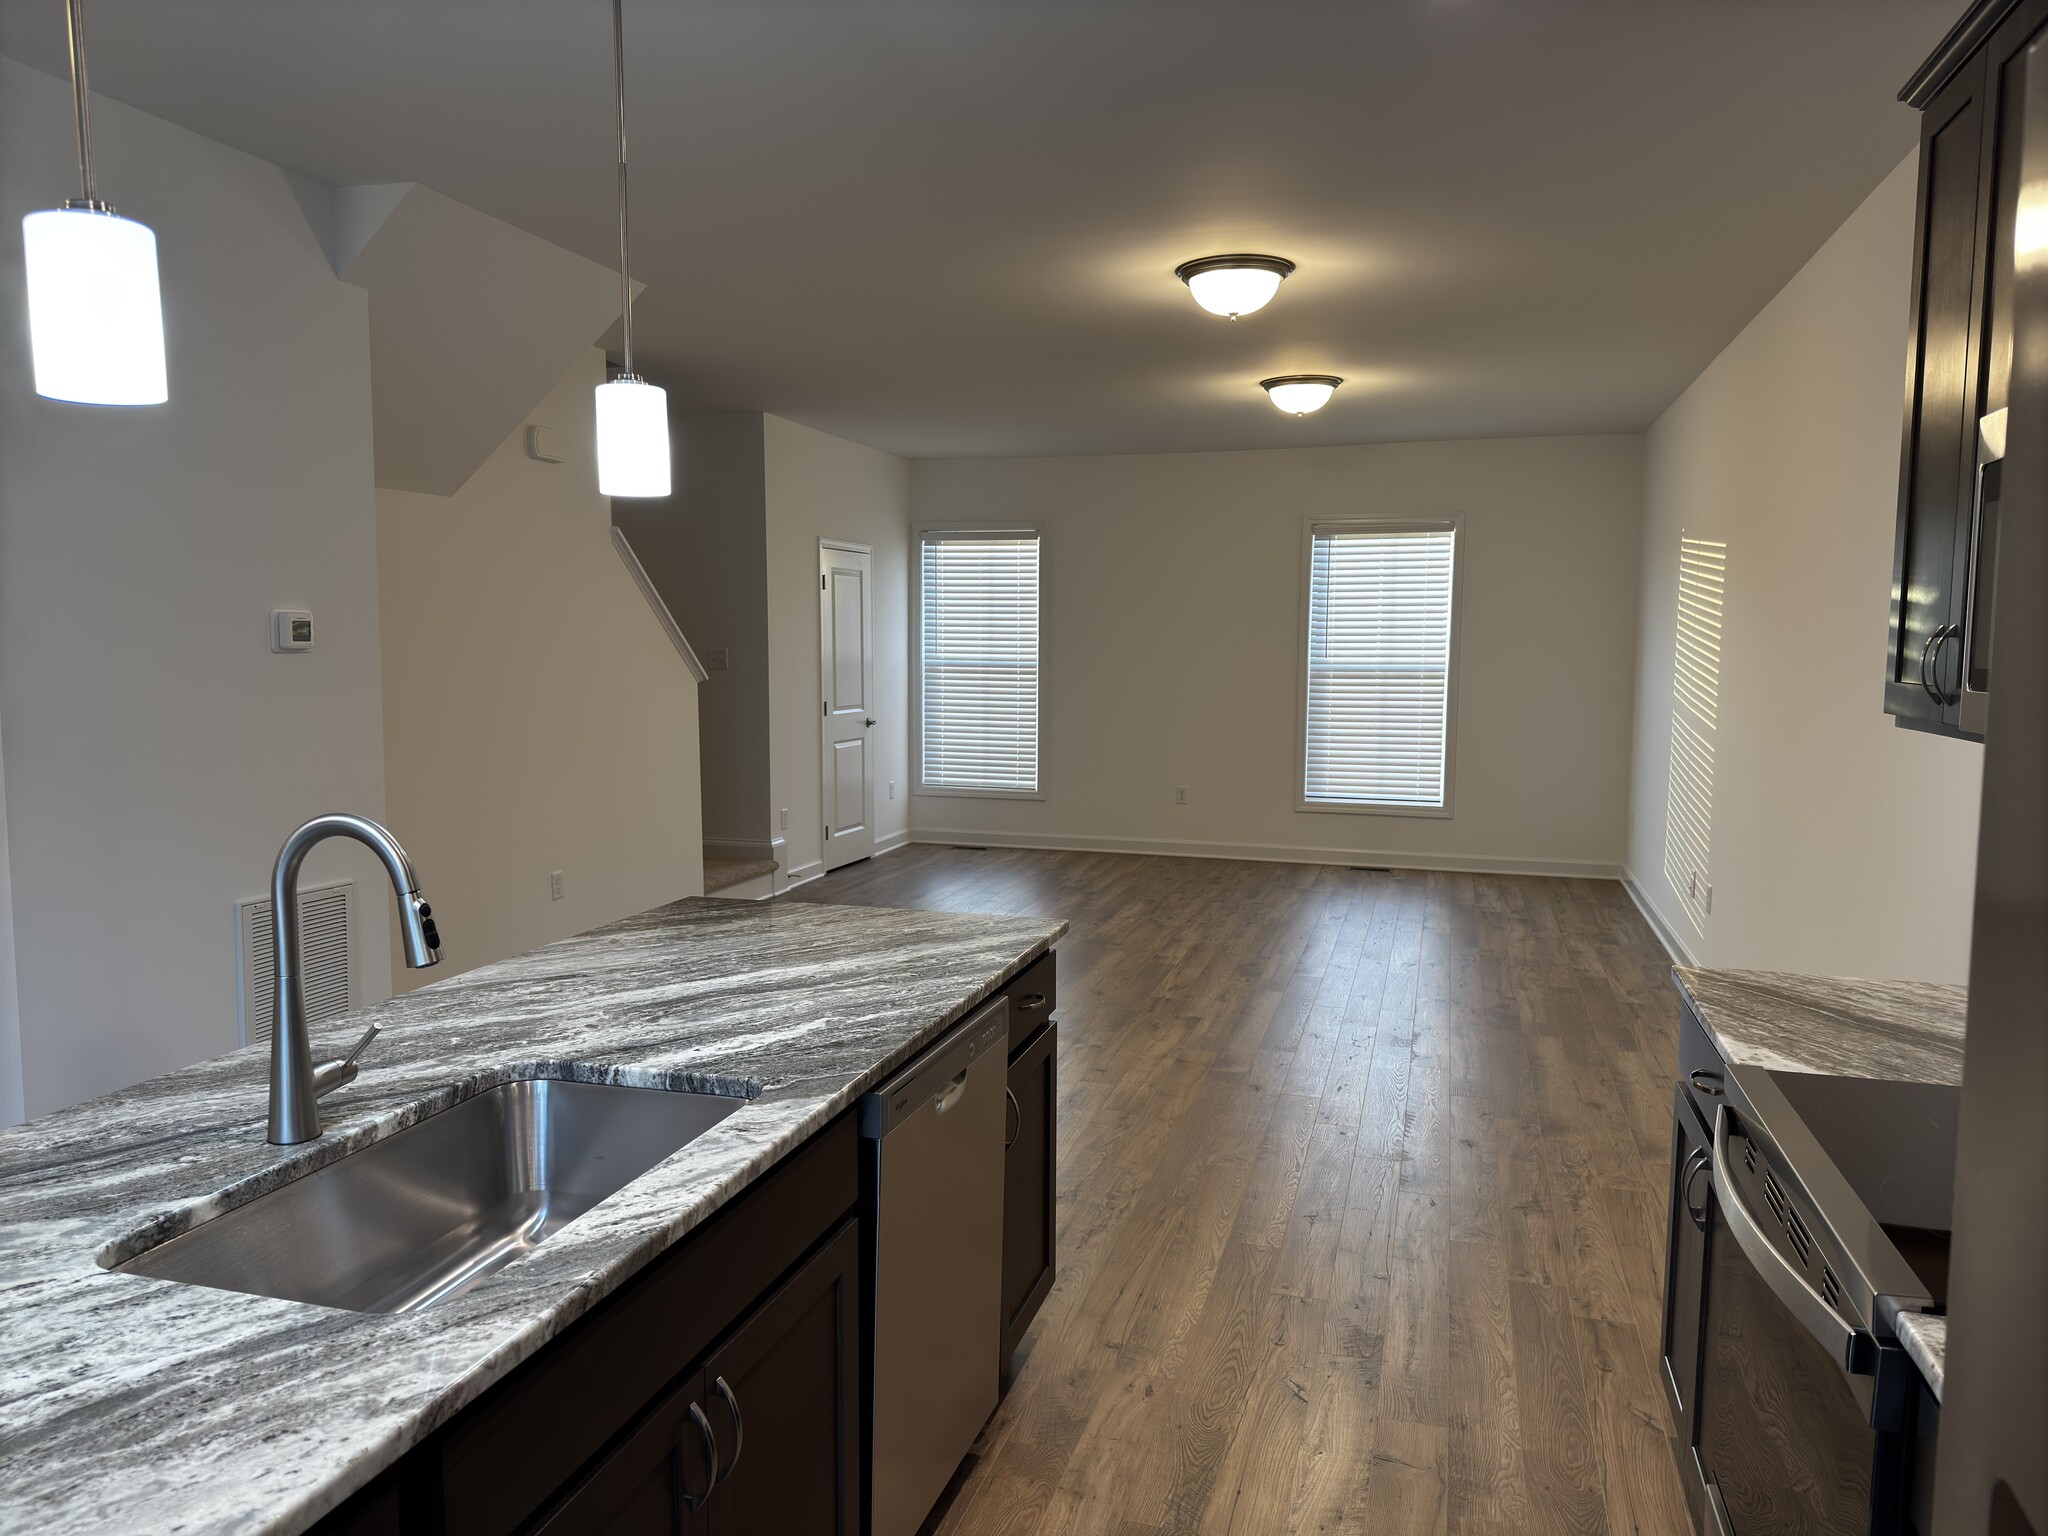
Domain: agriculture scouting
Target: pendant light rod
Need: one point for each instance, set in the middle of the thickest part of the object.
(618, 80)
(88, 192)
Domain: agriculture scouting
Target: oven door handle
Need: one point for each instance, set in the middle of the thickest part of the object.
(1792, 1289)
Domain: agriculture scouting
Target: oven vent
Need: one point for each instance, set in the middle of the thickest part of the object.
(1830, 1287)
(1775, 1195)
(1801, 1238)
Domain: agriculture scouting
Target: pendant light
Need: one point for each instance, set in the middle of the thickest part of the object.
(95, 313)
(632, 414)
(1233, 285)
(1300, 393)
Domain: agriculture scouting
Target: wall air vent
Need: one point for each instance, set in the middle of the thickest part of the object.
(327, 944)
(1830, 1287)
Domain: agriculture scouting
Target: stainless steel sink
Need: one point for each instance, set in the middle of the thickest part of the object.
(422, 1216)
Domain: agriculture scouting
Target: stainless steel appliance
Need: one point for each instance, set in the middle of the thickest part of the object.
(1829, 1215)
(933, 1140)
(1993, 1474)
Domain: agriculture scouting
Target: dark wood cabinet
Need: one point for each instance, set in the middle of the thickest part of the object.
(784, 1396)
(763, 1437)
(1685, 1261)
(1030, 1182)
(1959, 361)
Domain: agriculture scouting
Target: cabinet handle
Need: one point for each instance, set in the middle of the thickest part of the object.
(1925, 646)
(1695, 1163)
(1030, 1002)
(1010, 1137)
(739, 1425)
(698, 1501)
(1707, 1082)
(1947, 696)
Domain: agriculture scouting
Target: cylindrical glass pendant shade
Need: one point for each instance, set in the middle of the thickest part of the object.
(95, 314)
(632, 438)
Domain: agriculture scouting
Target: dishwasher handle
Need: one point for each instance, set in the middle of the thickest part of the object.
(938, 1075)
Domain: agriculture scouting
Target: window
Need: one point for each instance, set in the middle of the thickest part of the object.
(978, 662)
(1377, 734)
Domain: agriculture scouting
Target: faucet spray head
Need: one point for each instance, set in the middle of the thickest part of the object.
(422, 938)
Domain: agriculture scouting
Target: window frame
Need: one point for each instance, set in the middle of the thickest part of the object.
(1454, 525)
(920, 534)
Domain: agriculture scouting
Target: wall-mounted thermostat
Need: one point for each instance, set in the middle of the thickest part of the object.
(545, 444)
(291, 629)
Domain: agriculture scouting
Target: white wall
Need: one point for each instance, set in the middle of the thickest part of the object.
(1841, 844)
(1173, 588)
(704, 548)
(536, 716)
(157, 752)
(824, 487)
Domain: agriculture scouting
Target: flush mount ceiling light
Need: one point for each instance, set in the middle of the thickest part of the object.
(632, 414)
(1300, 393)
(1233, 285)
(95, 314)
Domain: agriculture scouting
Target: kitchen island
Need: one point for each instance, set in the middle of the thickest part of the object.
(135, 1404)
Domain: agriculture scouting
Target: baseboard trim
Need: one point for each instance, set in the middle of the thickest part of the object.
(803, 874)
(1674, 946)
(1275, 853)
(897, 839)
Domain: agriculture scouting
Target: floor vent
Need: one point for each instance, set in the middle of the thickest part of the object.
(327, 944)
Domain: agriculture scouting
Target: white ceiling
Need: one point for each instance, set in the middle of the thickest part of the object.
(948, 227)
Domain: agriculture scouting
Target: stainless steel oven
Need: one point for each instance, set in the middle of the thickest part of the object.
(1829, 1216)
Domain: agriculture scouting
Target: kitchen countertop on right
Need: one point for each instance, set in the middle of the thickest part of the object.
(1843, 1026)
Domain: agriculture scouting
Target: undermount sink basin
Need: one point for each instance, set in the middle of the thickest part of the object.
(422, 1216)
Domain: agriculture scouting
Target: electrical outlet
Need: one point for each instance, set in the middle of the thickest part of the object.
(1692, 887)
(785, 819)
(1710, 900)
(892, 789)
(554, 885)
(718, 659)
(1180, 797)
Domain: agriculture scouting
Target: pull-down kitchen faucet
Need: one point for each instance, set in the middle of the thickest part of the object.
(297, 1083)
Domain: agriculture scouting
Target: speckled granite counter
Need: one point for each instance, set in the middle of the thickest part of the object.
(138, 1405)
(1908, 1031)
(1926, 1340)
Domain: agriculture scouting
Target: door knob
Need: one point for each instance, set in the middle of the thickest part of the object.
(867, 722)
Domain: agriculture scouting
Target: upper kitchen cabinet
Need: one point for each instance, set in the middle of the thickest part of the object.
(1958, 362)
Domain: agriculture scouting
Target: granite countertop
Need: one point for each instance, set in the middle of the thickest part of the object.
(140, 1405)
(1907, 1031)
(1904, 1031)
(1926, 1339)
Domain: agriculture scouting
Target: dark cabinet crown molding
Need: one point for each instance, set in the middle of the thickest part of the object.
(1963, 39)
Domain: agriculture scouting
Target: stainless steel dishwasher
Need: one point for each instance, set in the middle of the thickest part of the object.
(933, 1147)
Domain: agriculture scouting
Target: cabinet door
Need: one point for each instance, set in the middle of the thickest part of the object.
(1030, 1180)
(1938, 457)
(783, 1393)
(1685, 1262)
(653, 1484)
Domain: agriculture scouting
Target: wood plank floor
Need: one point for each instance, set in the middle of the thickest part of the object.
(1361, 1201)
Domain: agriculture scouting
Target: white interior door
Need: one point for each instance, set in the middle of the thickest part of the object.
(847, 677)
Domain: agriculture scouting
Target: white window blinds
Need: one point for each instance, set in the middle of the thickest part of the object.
(1379, 664)
(978, 655)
